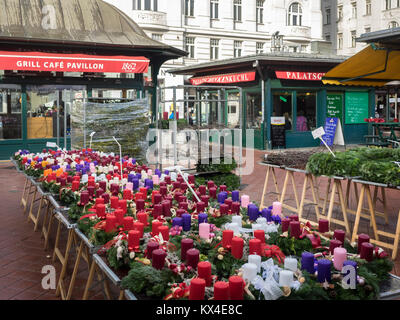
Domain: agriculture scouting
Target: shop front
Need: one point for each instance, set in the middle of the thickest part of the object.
(47, 71)
(286, 90)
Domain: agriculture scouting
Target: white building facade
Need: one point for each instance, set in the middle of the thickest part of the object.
(222, 29)
(346, 20)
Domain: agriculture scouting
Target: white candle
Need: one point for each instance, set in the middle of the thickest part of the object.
(262, 221)
(156, 179)
(285, 278)
(237, 220)
(255, 259)
(85, 178)
(249, 271)
(234, 227)
(256, 226)
(173, 176)
(150, 172)
(291, 264)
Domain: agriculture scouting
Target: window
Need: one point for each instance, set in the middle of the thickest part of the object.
(328, 15)
(393, 24)
(11, 113)
(189, 41)
(368, 7)
(354, 10)
(237, 49)
(259, 47)
(237, 10)
(156, 37)
(260, 11)
(340, 13)
(295, 14)
(340, 41)
(388, 4)
(282, 107)
(398, 3)
(367, 29)
(150, 5)
(254, 111)
(353, 39)
(214, 9)
(306, 118)
(214, 44)
(328, 37)
(189, 8)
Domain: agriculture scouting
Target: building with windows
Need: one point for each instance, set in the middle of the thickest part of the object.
(223, 29)
(346, 20)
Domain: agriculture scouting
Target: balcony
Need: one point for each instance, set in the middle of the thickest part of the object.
(296, 32)
(150, 19)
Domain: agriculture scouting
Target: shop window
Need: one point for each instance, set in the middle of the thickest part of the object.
(10, 113)
(380, 105)
(283, 107)
(233, 110)
(254, 111)
(394, 106)
(306, 118)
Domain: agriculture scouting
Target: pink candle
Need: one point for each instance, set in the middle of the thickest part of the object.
(204, 231)
(158, 259)
(245, 201)
(277, 208)
(339, 256)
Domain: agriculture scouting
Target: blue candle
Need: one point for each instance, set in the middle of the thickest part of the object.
(135, 182)
(133, 161)
(235, 196)
(157, 172)
(252, 212)
(177, 222)
(203, 218)
(139, 176)
(324, 270)
(222, 196)
(187, 221)
(148, 183)
(307, 262)
(131, 176)
(166, 172)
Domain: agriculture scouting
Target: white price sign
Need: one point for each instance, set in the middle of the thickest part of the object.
(51, 145)
(318, 133)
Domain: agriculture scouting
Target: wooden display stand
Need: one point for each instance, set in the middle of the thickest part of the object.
(365, 190)
(270, 171)
(43, 201)
(40, 128)
(29, 189)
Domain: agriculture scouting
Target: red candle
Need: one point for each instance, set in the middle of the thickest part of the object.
(200, 206)
(260, 235)
(334, 244)
(99, 201)
(122, 204)
(84, 197)
(235, 208)
(139, 227)
(177, 196)
(205, 199)
(255, 246)
(339, 235)
(191, 179)
(133, 239)
(103, 185)
(166, 205)
(158, 256)
(119, 213)
(140, 196)
(183, 206)
(294, 218)
(295, 229)
(323, 225)
(114, 202)
(142, 217)
(157, 211)
(151, 246)
(154, 227)
(237, 247)
(361, 239)
(139, 204)
(128, 223)
(229, 203)
(164, 230)
(192, 257)
(176, 185)
(197, 289)
(222, 188)
(221, 290)
(285, 224)
(106, 197)
(127, 194)
(157, 198)
(167, 180)
(210, 184)
(227, 236)
(236, 288)
(91, 183)
(367, 251)
(183, 186)
(143, 191)
(180, 212)
(213, 193)
(111, 222)
(224, 209)
(186, 244)
(204, 271)
(163, 191)
(202, 190)
(101, 210)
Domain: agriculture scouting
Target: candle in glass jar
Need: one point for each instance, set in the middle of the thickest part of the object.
(339, 256)
(204, 271)
(227, 236)
(204, 231)
(193, 257)
(307, 262)
(133, 239)
(367, 251)
(221, 290)
(323, 226)
(236, 288)
(339, 235)
(361, 239)
(197, 289)
(255, 246)
(237, 247)
(186, 244)
(158, 259)
(151, 246)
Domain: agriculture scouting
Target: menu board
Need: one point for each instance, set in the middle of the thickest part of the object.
(334, 106)
(278, 132)
(357, 107)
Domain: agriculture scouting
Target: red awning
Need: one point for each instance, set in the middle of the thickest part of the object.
(39, 61)
(225, 78)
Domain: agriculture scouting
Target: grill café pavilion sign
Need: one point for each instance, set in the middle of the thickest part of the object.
(39, 61)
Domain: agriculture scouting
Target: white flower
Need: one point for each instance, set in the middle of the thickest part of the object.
(132, 255)
(120, 250)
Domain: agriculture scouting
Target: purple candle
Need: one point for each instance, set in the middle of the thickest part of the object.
(203, 218)
(267, 213)
(252, 212)
(135, 184)
(177, 222)
(187, 221)
(222, 196)
(149, 183)
(307, 262)
(324, 270)
(235, 196)
(131, 176)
